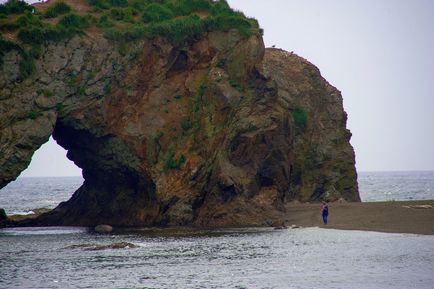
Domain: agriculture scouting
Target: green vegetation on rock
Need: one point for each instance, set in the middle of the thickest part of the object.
(26, 63)
(177, 21)
(45, 92)
(107, 88)
(39, 35)
(123, 14)
(174, 164)
(74, 21)
(5, 47)
(221, 64)
(186, 124)
(60, 107)
(300, 117)
(34, 114)
(156, 13)
(235, 85)
(120, 21)
(57, 9)
(14, 7)
(106, 4)
(104, 22)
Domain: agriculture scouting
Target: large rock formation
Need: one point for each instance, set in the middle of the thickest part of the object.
(218, 131)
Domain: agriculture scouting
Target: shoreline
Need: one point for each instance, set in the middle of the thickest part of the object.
(413, 217)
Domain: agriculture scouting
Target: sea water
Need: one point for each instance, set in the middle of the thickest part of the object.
(396, 186)
(236, 258)
(26, 194)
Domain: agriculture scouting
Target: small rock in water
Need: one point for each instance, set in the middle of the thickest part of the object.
(97, 247)
(103, 229)
(121, 245)
(280, 228)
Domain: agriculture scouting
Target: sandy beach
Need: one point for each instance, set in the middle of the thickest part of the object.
(415, 217)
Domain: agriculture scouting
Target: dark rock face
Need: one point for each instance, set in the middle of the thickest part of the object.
(3, 216)
(218, 132)
(323, 164)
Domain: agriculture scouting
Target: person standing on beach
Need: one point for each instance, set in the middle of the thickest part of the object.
(324, 212)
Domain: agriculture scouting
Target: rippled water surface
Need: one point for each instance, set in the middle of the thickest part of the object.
(243, 258)
(396, 186)
(238, 258)
(26, 194)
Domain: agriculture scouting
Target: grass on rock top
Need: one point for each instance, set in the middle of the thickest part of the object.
(24, 27)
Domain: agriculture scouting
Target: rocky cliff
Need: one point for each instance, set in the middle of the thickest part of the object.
(215, 130)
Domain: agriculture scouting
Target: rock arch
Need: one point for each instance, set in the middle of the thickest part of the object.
(208, 138)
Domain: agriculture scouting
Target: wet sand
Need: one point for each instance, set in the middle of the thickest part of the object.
(392, 217)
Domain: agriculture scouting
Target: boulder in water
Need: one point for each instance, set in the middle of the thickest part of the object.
(103, 229)
(97, 247)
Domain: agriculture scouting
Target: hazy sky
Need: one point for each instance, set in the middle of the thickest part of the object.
(380, 54)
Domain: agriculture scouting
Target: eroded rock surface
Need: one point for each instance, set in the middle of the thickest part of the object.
(218, 132)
